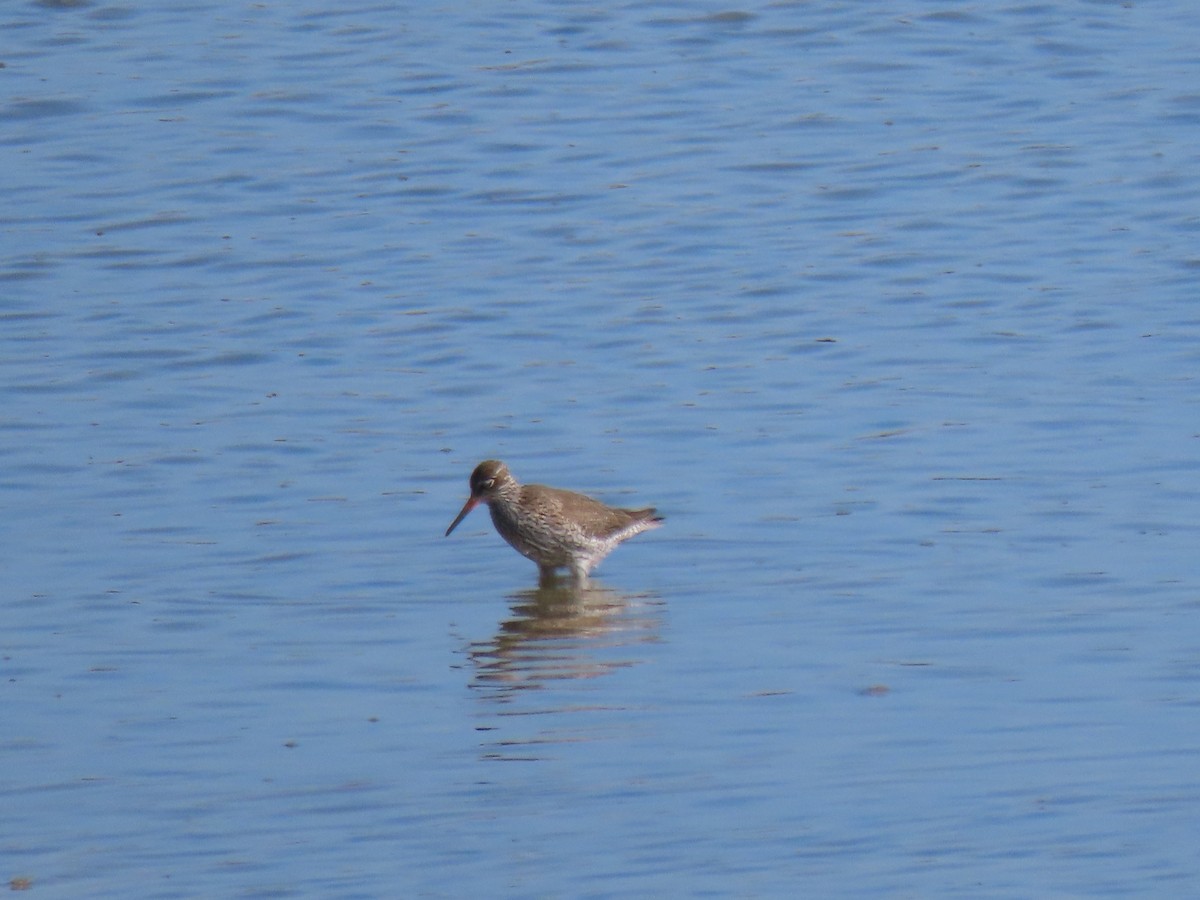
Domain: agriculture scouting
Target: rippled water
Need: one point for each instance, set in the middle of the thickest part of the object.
(890, 314)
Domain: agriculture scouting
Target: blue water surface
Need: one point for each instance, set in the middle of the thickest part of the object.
(890, 313)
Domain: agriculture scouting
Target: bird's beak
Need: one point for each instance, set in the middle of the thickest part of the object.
(471, 503)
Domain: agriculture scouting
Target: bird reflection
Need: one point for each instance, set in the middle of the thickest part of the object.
(563, 631)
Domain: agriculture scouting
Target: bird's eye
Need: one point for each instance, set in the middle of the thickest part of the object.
(488, 484)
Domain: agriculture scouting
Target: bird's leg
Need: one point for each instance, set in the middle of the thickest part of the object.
(579, 574)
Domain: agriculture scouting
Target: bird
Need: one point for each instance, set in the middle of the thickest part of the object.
(553, 527)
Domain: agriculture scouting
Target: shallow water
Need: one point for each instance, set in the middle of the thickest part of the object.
(891, 316)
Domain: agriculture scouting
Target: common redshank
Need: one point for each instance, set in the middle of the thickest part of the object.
(553, 527)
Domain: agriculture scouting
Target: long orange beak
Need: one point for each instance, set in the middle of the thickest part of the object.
(471, 503)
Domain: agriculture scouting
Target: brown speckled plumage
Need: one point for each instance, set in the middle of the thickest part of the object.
(553, 527)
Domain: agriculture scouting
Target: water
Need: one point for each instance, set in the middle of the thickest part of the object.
(890, 314)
